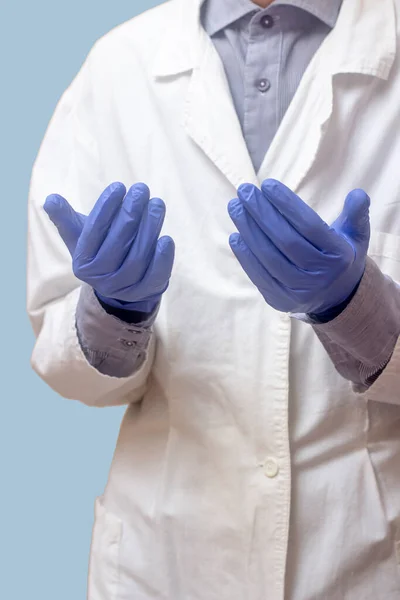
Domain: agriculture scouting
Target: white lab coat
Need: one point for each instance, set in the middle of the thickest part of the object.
(243, 420)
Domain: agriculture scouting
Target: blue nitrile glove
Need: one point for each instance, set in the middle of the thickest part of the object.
(117, 249)
(298, 262)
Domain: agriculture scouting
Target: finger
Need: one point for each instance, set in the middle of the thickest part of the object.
(154, 281)
(123, 229)
(353, 222)
(273, 292)
(68, 222)
(159, 272)
(99, 221)
(281, 233)
(301, 216)
(144, 245)
(156, 278)
(261, 246)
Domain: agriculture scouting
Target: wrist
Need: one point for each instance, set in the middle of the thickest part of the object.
(334, 311)
(130, 312)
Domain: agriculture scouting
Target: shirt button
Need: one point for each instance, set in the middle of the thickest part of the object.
(263, 85)
(271, 468)
(128, 343)
(267, 22)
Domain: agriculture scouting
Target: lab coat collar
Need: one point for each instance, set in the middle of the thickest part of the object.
(363, 40)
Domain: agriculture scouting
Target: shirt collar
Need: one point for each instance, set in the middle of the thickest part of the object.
(220, 14)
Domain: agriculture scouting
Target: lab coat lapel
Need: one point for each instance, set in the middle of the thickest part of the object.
(209, 117)
(295, 146)
(363, 41)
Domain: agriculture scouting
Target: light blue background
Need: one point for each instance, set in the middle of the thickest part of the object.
(55, 453)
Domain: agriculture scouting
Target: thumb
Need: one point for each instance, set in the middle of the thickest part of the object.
(353, 222)
(68, 222)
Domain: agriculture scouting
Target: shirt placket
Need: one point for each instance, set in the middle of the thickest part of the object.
(261, 84)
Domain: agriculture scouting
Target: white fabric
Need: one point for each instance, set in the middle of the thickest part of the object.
(236, 437)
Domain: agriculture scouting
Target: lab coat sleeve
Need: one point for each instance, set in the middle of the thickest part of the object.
(363, 340)
(69, 163)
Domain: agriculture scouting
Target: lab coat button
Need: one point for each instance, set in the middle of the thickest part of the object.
(271, 468)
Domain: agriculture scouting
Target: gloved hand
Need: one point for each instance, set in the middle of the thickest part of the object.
(298, 262)
(117, 249)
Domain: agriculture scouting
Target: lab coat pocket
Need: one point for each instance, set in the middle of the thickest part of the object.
(384, 249)
(103, 580)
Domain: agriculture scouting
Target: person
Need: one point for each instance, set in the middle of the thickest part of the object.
(254, 342)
